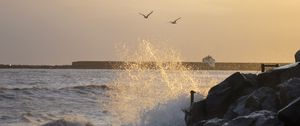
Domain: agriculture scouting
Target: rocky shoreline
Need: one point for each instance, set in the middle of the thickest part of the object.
(270, 98)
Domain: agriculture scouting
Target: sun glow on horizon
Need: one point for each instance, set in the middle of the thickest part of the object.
(59, 32)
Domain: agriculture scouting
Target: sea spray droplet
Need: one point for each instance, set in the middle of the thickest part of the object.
(153, 88)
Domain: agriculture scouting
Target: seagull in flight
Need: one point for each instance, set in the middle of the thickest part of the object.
(146, 16)
(175, 21)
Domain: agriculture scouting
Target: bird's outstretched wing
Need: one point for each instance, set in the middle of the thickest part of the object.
(177, 19)
(142, 14)
(149, 14)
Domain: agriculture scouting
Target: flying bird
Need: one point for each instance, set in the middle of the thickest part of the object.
(146, 16)
(175, 21)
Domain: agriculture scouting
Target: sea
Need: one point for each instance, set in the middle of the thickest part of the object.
(138, 95)
(102, 97)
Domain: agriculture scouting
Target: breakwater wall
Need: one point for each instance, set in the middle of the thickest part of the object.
(191, 65)
(269, 98)
(151, 65)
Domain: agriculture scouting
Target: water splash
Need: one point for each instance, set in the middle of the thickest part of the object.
(153, 88)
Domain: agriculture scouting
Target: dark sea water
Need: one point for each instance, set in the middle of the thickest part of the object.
(32, 97)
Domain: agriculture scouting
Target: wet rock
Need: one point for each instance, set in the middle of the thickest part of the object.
(297, 56)
(211, 122)
(200, 123)
(289, 91)
(279, 75)
(221, 96)
(264, 98)
(258, 118)
(214, 122)
(291, 113)
(250, 100)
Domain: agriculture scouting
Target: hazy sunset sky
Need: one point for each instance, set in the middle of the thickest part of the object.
(62, 31)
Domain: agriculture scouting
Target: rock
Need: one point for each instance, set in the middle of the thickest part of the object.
(196, 113)
(211, 122)
(297, 56)
(258, 118)
(291, 113)
(264, 98)
(222, 95)
(269, 78)
(289, 91)
(278, 75)
(200, 123)
(214, 122)
(292, 72)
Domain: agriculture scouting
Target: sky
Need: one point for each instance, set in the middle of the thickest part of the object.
(62, 31)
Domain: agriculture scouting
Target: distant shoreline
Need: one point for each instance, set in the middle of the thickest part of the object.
(5, 66)
(119, 64)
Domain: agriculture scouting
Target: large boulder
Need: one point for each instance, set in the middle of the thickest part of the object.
(258, 118)
(279, 75)
(297, 56)
(289, 91)
(221, 96)
(264, 98)
(291, 113)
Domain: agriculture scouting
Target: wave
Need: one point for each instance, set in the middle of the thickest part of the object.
(87, 89)
(20, 89)
(104, 87)
(36, 92)
(81, 87)
(70, 121)
(38, 105)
